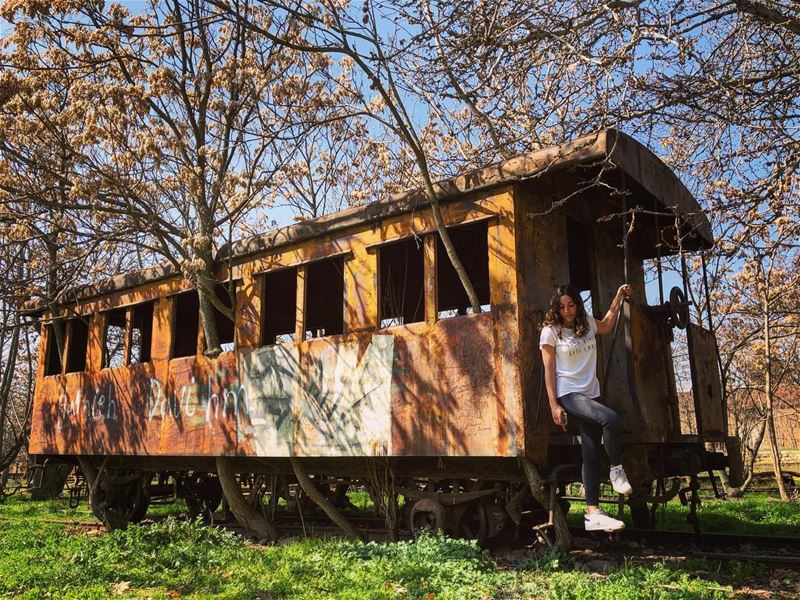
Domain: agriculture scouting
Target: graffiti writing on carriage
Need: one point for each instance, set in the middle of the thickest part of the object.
(193, 401)
(101, 405)
(332, 400)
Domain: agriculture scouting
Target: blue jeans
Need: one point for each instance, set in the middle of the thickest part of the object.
(594, 421)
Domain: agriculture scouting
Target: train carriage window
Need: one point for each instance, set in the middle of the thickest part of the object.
(114, 339)
(185, 323)
(324, 314)
(401, 282)
(471, 243)
(77, 344)
(52, 360)
(279, 307)
(225, 326)
(579, 254)
(141, 332)
(580, 259)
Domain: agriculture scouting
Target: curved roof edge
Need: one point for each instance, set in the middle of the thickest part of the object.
(623, 151)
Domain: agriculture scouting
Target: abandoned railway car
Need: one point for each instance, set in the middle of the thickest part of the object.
(355, 351)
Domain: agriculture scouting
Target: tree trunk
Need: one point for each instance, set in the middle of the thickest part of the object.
(735, 491)
(209, 322)
(738, 491)
(541, 492)
(313, 493)
(770, 418)
(244, 512)
(7, 376)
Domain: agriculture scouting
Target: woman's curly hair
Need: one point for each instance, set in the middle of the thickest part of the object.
(553, 317)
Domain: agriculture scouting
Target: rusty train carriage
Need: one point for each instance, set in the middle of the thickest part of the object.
(353, 338)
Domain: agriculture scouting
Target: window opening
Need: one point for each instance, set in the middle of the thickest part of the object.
(52, 361)
(279, 307)
(114, 338)
(77, 345)
(579, 255)
(141, 332)
(472, 246)
(324, 314)
(588, 306)
(401, 282)
(185, 323)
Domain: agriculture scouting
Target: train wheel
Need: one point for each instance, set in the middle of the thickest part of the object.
(427, 515)
(118, 498)
(140, 512)
(203, 495)
(473, 523)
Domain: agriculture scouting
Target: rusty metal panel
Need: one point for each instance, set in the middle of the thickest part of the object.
(201, 409)
(706, 386)
(651, 376)
(418, 391)
(417, 417)
(540, 266)
(464, 364)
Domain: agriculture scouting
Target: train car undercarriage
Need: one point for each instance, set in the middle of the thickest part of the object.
(486, 499)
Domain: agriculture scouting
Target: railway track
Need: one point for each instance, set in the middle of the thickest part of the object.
(773, 550)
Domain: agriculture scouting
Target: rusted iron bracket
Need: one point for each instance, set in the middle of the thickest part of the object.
(446, 499)
(555, 516)
(690, 497)
(663, 494)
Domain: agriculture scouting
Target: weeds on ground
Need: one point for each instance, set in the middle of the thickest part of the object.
(174, 558)
(39, 559)
(755, 514)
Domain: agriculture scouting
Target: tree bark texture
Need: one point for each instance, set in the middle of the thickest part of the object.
(313, 493)
(244, 512)
(773, 438)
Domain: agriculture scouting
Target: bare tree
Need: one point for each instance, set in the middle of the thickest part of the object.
(172, 124)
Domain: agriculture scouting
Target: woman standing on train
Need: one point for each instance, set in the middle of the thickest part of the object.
(569, 353)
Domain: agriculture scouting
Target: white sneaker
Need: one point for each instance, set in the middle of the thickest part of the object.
(619, 481)
(600, 521)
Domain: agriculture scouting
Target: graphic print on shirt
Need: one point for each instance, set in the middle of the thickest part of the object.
(575, 346)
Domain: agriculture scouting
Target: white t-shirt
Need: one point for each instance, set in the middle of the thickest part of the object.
(576, 359)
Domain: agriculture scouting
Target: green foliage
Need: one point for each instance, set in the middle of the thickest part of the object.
(755, 514)
(657, 581)
(40, 560)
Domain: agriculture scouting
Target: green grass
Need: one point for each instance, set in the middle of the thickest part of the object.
(175, 509)
(755, 514)
(170, 558)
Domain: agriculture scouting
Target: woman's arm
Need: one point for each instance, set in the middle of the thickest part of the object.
(607, 324)
(549, 360)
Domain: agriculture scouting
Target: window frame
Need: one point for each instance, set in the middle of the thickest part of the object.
(487, 222)
(262, 317)
(128, 343)
(68, 342)
(376, 249)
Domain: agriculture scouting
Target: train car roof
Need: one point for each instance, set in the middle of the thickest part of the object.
(609, 146)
